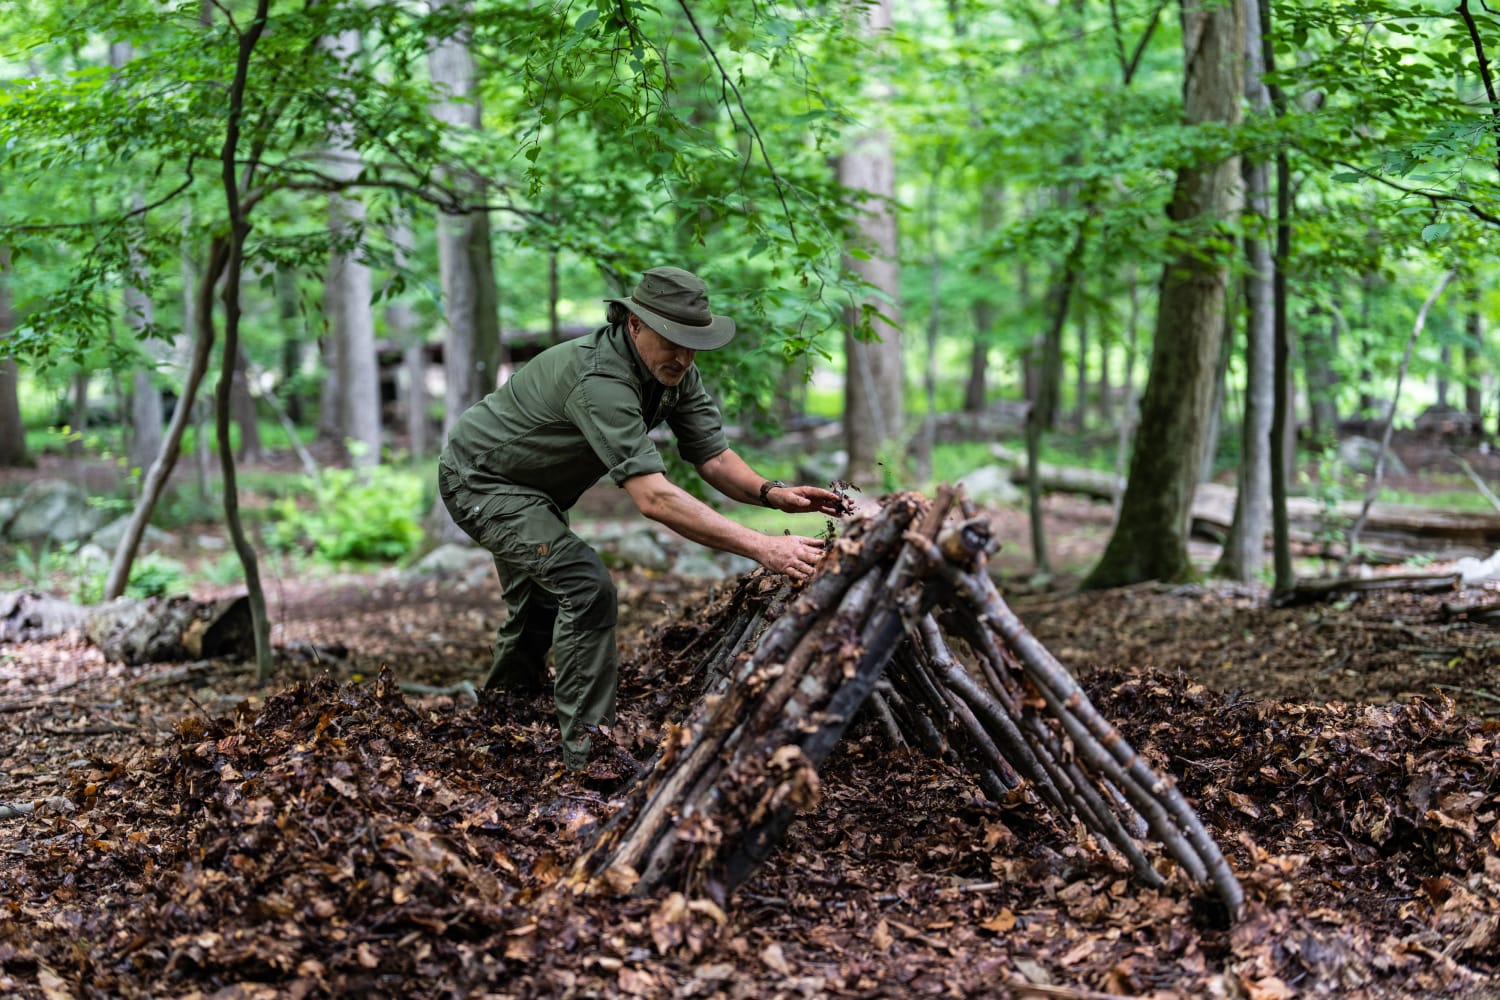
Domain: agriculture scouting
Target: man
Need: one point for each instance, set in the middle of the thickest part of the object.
(518, 459)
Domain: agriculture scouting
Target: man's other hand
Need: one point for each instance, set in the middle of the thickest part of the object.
(791, 555)
(806, 500)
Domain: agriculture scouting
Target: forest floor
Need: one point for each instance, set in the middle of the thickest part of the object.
(197, 836)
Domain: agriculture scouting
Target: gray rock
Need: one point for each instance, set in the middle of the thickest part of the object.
(1009, 457)
(1360, 453)
(54, 511)
(108, 537)
(640, 547)
(699, 564)
(736, 565)
(821, 468)
(8, 508)
(451, 561)
(92, 556)
(991, 484)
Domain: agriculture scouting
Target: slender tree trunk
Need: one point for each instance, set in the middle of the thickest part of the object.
(465, 256)
(140, 316)
(1322, 383)
(239, 228)
(13, 452)
(1365, 348)
(1285, 576)
(1150, 539)
(242, 408)
(1473, 367)
(471, 302)
(145, 398)
(155, 482)
(1081, 373)
(291, 343)
(349, 285)
(1105, 404)
(1445, 365)
(1244, 551)
(874, 405)
(1128, 420)
(976, 389)
(401, 321)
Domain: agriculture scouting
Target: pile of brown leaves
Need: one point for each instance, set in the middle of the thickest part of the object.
(343, 839)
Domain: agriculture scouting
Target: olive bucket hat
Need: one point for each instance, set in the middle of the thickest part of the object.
(674, 303)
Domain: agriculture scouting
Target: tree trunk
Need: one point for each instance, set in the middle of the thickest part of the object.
(401, 321)
(79, 423)
(140, 316)
(465, 256)
(1473, 364)
(1081, 374)
(242, 408)
(1245, 550)
(1319, 347)
(239, 228)
(874, 404)
(13, 452)
(155, 482)
(472, 350)
(1149, 541)
(1445, 365)
(291, 343)
(145, 398)
(349, 294)
(976, 387)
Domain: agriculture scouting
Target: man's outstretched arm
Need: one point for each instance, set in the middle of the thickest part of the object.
(733, 477)
(661, 500)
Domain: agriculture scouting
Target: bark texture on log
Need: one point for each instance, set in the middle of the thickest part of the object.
(785, 671)
(172, 629)
(30, 616)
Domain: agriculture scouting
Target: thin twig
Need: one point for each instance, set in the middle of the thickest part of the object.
(1390, 420)
(1484, 490)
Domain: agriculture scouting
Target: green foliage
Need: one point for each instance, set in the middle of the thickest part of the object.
(151, 575)
(343, 515)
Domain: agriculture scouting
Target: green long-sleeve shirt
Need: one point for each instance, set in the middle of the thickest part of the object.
(576, 412)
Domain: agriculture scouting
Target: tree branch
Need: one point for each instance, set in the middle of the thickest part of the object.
(1484, 72)
(114, 221)
(1390, 421)
(1140, 47)
(727, 86)
(1433, 196)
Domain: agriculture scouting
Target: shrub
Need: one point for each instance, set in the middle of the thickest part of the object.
(346, 515)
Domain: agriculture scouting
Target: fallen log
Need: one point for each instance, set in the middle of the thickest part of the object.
(171, 629)
(153, 630)
(791, 669)
(1398, 530)
(1327, 589)
(31, 616)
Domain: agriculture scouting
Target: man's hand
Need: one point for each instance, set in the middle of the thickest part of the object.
(806, 500)
(792, 555)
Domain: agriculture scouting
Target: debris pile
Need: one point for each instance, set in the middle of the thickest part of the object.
(878, 625)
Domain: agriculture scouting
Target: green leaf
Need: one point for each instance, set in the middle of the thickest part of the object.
(585, 21)
(1436, 231)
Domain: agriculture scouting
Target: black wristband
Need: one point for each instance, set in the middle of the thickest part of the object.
(766, 488)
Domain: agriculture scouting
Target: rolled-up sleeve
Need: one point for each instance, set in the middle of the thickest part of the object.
(608, 413)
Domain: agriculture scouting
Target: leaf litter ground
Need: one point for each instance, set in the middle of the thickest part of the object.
(196, 837)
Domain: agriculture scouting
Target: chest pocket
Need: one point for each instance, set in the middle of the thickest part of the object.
(664, 406)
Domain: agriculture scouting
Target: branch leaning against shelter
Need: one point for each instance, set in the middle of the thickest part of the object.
(517, 460)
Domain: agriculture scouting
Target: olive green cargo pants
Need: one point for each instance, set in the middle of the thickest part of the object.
(560, 598)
